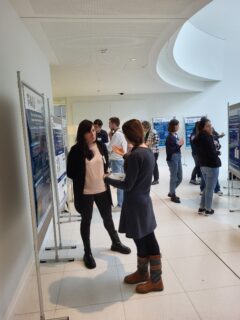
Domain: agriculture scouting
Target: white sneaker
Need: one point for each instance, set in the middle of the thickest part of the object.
(116, 209)
(220, 193)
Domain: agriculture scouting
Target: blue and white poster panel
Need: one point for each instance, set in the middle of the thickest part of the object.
(60, 159)
(189, 126)
(161, 126)
(37, 132)
(234, 139)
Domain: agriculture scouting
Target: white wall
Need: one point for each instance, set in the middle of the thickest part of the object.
(18, 52)
(212, 103)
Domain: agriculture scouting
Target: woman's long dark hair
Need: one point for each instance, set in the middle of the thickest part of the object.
(202, 123)
(84, 127)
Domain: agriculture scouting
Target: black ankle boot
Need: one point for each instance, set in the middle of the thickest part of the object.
(117, 245)
(175, 199)
(88, 257)
(89, 261)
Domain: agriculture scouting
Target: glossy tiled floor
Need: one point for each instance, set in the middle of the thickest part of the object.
(201, 261)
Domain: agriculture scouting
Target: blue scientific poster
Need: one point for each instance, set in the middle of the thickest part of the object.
(60, 159)
(234, 139)
(189, 126)
(37, 133)
(161, 126)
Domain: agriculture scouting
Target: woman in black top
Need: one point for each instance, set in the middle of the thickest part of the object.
(210, 162)
(196, 173)
(173, 150)
(87, 163)
(137, 219)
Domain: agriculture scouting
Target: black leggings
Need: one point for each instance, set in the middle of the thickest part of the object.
(147, 246)
(105, 208)
(155, 171)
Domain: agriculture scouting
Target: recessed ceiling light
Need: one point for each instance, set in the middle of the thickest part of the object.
(133, 59)
(105, 50)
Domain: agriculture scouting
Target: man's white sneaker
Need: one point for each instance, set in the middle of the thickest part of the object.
(116, 209)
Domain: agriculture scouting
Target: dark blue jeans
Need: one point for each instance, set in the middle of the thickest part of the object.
(202, 186)
(210, 176)
(175, 167)
(117, 167)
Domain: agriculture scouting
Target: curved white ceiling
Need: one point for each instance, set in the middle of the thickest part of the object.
(194, 57)
(105, 46)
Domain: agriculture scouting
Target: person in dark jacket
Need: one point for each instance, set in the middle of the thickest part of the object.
(137, 219)
(216, 137)
(102, 135)
(86, 165)
(196, 173)
(173, 150)
(209, 161)
(151, 138)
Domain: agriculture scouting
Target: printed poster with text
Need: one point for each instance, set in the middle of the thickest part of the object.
(161, 126)
(234, 139)
(60, 159)
(34, 106)
(189, 126)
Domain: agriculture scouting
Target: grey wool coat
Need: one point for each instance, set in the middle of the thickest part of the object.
(137, 217)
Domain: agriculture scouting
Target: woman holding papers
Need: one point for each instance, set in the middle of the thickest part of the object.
(137, 219)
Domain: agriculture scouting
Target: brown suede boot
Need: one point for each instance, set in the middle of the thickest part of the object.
(141, 275)
(155, 283)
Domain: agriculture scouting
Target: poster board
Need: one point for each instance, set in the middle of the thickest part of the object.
(234, 139)
(37, 152)
(161, 127)
(189, 123)
(58, 132)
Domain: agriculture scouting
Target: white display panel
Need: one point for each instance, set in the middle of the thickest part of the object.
(60, 159)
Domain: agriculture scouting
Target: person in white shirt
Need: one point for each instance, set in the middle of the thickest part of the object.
(117, 139)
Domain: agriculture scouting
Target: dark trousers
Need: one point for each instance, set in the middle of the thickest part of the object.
(147, 246)
(196, 170)
(105, 208)
(155, 171)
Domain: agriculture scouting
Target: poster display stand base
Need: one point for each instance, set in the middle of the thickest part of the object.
(69, 218)
(66, 214)
(231, 187)
(61, 248)
(63, 318)
(58, 260)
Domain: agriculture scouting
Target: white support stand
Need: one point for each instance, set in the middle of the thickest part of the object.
(32, 202)
(56, 200)
(231, 171)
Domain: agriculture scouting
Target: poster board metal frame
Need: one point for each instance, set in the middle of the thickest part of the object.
(197, 118)
(56, 120)
(43, 226)
(35, 233)
(231, 169)
(161, 120)
(57, 205)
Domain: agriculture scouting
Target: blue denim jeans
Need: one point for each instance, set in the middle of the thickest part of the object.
(210, 176)
(175, 167)
(202, 186)
(117, 167)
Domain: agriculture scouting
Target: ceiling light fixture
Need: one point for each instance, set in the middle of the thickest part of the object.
(105, 50)
(133, 59)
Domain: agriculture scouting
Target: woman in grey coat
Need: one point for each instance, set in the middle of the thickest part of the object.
(137, 219)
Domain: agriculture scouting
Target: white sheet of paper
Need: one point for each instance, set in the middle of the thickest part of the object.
(117, 176)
